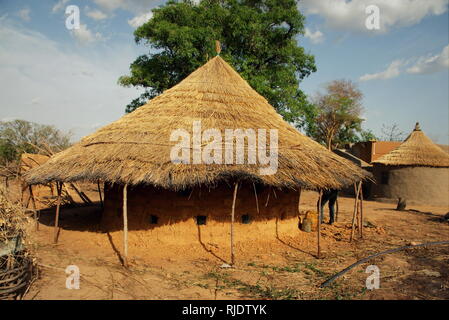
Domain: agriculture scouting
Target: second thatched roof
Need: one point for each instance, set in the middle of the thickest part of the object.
(416, 150)
(29, 161)
(136, 148)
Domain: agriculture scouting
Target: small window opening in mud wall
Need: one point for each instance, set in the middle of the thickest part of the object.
(154, 219)
(201, 220)
(246, 219)
(384, 177)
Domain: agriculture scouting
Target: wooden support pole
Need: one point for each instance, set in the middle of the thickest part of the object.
(357, 223)
(268, 197)
(28, 196)
(80, 193)
(99, 192)
(232, 222)
(257, 199)
(51, 189)
(28, 202)
(354, 216)
(361, 211)
(319, 224)
(67, 194)
(125, 225)
(36, 219)
(58, 206)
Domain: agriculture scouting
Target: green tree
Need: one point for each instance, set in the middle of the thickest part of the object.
(258, 38)
(336, 117)
(367, 135)
(19, 136)
(7, 152)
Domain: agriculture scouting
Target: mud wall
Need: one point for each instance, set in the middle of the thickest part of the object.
(176, 213)
(424, 185)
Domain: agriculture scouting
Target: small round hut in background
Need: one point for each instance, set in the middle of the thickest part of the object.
(417, 170)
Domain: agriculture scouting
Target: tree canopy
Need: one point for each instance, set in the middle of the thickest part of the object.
(392, 133)
(336, 117)
(19, 136)
(258, 38)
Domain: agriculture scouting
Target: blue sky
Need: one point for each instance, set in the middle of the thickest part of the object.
(53, 75)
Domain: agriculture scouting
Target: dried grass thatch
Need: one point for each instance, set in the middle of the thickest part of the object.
(416, 150)
(30, 160)
(136, 148)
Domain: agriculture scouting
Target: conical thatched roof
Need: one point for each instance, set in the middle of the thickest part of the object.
(136, 148)
(416, 150)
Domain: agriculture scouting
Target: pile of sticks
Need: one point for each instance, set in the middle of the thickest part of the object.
(16, 274)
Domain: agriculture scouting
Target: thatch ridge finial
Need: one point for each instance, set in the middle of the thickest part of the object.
(217, 47)
(417, 127)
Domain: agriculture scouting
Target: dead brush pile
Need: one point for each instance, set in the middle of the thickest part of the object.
(16, 263)
(13, 220)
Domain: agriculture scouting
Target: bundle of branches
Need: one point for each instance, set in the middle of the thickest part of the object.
(9, 171)
(13, 220)
(16, 264)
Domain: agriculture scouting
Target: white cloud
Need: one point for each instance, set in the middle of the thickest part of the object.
(24, 14)
(315, 37)
(59, 5)
(56, 83)
(137, 21)
(350, 14)
(432, 64)
(111, 5)
(392, 71)
(84, 36)
(96, 14)
(421, 65)
(135, 6)
(35, 100)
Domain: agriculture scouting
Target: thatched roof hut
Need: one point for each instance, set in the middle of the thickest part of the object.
(167, 197)
(417, 170)
(416, 150)
(136, 148)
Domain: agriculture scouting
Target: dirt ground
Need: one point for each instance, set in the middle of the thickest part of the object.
(282, 268)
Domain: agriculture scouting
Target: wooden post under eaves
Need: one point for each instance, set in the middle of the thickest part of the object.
(125, 225)
(257, 199)
(99, 192)
(58, 207)
(232, 222)
(361, 211)
(319, 224)
(36, 219)
(354, 216)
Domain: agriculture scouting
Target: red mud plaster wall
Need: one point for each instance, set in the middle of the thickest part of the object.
(176, 212)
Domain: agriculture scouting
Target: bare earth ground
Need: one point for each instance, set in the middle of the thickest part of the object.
(284, 268)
